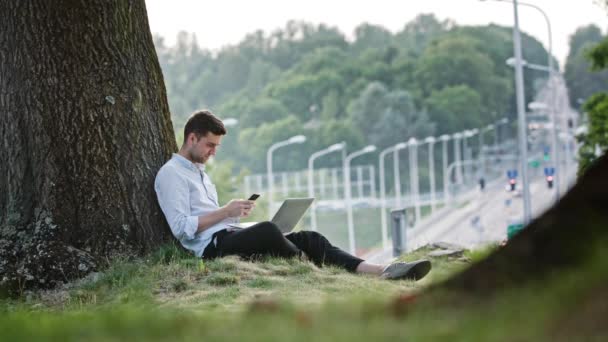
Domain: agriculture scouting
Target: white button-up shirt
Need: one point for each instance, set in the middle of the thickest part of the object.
(184, 193)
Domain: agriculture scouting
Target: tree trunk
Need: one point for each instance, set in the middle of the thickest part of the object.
(84, 128)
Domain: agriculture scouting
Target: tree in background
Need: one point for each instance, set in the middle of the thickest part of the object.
(262, 110)
(595, 141)
(369, 36)
(388, 117)
(581, 80)
(455, 108)
(420, 32)
(85, 127)
(311, 72)
(255, 141)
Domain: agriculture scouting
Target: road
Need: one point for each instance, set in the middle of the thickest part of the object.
(482, 219)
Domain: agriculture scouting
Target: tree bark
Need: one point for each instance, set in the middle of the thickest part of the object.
(84, 128)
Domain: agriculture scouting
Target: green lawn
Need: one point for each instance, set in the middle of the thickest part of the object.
(170, 296)
(367, 226)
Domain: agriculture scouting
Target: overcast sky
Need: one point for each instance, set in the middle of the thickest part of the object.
(226, 22)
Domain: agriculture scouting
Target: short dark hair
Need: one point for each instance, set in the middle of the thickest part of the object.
(203, 122)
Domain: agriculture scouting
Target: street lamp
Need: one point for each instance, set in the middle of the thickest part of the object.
(457, 137)
(297, 139)
(465, 146)
(550, 35)
(511, 62)
(502, 121)
(414, 185)
(567, 140)
(444, 139)
(521, 115)
(431, 142)
(229, 122)
(383, 214)
(482, 159)
(347, 193)
(311, 190)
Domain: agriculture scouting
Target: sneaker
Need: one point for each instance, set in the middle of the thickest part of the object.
(414, 270)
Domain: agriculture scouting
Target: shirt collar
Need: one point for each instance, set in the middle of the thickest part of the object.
(188, 164)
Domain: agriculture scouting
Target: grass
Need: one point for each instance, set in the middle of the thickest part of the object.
(368, 234)
(171, 296)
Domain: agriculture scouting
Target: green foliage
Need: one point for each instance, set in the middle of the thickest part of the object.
(261, 111)
(171, 252)
(340, 130)
(221, 279)
(580, 39)
(455, 108)
(599, 55)
(420, 32)
(459, 60)
(325, 304)
(225, 183)
(595, 141)
(300, 93)
(597, 136)
(582, 81)
(369, 36)
(308, 79)
(453, 61)
(387, 117)
(477, 255)
(257, 140)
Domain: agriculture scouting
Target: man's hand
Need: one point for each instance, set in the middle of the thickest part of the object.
(239, 208)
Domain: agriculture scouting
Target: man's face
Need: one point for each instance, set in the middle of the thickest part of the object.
(202, 149)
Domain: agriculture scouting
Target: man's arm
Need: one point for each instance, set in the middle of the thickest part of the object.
(234, 208)
(173, 197)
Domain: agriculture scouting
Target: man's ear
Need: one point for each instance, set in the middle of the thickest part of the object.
(191, 138)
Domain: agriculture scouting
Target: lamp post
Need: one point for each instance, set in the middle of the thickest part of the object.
(457, 137)
(482, 158)
(311, 189)
(229, 122)
(521, 118)
(497, 124)
(431, 142)
(550, 35)
(347, 193)
(414, 185)
(465, 146)
(444, 139)
(565, 136)
(396, 178)
(521, 115)
(383, 218)
(297, 139)
(552, 113)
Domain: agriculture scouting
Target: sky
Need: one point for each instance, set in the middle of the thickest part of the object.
(226, 22)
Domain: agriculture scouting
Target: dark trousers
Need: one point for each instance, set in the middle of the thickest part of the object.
(265, 238)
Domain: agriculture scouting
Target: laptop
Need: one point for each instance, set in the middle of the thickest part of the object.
(288, 216)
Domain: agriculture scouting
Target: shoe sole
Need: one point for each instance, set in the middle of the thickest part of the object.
(419, 270)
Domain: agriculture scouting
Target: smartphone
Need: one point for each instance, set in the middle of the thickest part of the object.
(254, 197)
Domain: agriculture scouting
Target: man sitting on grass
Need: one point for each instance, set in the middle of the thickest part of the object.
(190, 203)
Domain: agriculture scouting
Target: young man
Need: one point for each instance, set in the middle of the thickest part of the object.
(189, 201)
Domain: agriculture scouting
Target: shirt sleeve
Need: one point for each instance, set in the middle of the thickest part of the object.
(174, 199)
